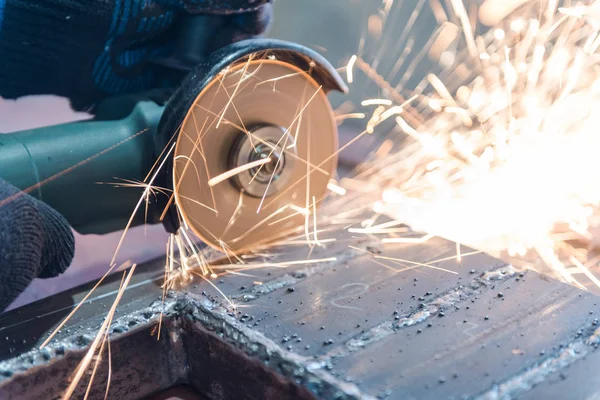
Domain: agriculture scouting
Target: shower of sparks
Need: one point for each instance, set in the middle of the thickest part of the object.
(502, 159)
(506, 158)
(498, 152)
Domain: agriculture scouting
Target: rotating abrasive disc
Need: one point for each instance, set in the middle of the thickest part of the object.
(255, 111)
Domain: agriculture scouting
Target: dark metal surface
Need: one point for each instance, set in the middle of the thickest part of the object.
(345, 329)
(183, 392)
(352, 328)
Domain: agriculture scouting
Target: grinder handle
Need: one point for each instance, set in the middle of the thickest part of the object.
(73, 167)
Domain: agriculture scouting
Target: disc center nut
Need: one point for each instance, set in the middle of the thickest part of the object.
(260, 143)
(273, 168)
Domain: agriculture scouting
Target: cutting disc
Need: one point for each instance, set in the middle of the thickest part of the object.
(253, 112)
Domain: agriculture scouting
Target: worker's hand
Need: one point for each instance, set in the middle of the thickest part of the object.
(88, 49)
(35, 242)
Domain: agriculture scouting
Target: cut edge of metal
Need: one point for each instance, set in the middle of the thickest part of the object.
(179, 311)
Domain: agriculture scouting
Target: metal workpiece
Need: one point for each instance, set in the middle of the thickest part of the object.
(342, 328)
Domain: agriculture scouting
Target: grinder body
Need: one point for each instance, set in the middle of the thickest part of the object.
(73, 167)
(85, 170)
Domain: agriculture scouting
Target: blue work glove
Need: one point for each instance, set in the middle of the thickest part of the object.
(87, 50)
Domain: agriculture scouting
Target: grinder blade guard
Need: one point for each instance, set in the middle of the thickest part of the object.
(258, 107)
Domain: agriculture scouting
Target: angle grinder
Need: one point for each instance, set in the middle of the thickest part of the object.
(256, 102)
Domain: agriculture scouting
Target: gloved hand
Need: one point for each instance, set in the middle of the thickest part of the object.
(90, 49)
(35, 242)
(87, 50)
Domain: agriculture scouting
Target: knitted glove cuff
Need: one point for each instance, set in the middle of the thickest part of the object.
(35, 241)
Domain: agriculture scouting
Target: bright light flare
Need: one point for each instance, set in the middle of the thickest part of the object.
(511, 159)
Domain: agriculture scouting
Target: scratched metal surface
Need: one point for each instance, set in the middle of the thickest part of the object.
(384, 330)
(420, 333)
